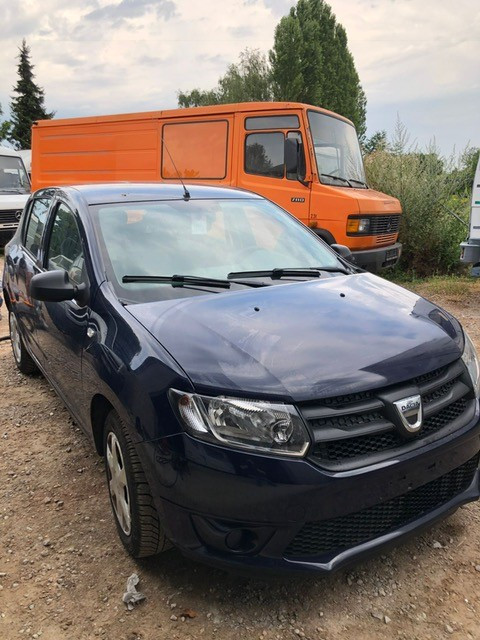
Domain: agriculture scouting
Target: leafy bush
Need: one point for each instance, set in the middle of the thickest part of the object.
(430, 187)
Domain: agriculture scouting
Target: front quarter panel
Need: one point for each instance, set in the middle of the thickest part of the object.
(125, 364)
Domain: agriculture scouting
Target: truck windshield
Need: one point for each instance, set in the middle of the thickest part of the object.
(13, 177)
(337, 151)
(203, 238)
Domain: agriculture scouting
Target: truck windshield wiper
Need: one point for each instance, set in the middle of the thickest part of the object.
(364, 184)
(276, 274)
(330, 175)
(180, 281)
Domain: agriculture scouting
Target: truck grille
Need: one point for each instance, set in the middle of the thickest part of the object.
(349, 431)
(386, 239)
(9, 216)
(380, 225)
(317, 538)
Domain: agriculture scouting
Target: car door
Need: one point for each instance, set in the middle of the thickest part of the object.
(64, 323)
(25, 259)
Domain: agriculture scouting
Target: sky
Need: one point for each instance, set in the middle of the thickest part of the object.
(418, 60)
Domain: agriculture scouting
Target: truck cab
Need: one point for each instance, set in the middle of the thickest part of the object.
(14, 192)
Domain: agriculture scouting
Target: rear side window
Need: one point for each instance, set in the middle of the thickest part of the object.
(65, 249)
(195, 150)
(264, 154)
(36, 225)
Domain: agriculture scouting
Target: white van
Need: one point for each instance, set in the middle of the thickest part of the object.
(471, 247)
(14, 192)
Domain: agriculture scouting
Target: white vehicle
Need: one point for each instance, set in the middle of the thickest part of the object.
(471, 247)
(26, 155)
(14, 192)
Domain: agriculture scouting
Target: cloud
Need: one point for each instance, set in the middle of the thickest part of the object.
(130, 9)
(415, 57)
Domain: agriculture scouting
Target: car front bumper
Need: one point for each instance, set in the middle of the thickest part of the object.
(245, 511)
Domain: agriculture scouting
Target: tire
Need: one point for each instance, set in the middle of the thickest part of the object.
(137, 519)
(22, 358)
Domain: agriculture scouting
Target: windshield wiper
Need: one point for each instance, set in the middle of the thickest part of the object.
(364, 184)
(276, 274)
(330, 175)
(180, 281)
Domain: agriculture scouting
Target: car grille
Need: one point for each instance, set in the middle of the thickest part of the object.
(380, 225)
(357, 429)
(317, 538)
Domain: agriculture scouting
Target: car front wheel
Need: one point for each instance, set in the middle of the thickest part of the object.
(136, 517)
(23, 360)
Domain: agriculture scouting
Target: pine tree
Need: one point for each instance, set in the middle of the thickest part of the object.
(4, 127)
(326, 76)
(28, 105)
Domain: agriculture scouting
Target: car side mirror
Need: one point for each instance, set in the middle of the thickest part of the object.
(343, 252)
(55, 286)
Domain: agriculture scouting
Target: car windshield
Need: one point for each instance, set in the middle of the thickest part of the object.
(205, 238)
(336, 150)
(13, 177)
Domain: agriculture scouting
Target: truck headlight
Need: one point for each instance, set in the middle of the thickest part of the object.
(358, 225)
(470, 359)
(249, 424)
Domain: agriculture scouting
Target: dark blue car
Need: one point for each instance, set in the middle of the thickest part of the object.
(259, 401)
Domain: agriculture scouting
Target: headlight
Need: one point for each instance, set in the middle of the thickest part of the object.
(470, 359)
(248, 424)
(358, 225)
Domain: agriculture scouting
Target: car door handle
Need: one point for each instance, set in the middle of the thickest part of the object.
(91, 332)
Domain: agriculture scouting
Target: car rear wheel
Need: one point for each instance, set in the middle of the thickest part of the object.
(22, 358)
(136, 517)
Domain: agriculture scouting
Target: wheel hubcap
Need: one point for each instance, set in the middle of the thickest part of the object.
(15, 338)
(117, 483)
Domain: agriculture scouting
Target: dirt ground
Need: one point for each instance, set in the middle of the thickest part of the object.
(63, 570)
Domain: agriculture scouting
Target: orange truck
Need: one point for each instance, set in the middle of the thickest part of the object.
(306, 159)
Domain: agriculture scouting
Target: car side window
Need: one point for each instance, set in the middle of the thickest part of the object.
(65, 249)
(36, 225)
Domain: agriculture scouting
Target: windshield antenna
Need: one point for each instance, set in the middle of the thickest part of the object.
(186, 192)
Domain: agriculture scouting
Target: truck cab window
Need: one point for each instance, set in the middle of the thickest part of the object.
(265, 154)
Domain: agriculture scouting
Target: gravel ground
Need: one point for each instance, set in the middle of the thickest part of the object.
(63, 570)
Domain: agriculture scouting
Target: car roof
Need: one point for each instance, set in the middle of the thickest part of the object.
(143, 191)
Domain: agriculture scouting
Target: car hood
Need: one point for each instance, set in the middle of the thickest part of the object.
(306, 340)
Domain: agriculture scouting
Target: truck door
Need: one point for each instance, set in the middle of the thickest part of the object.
(262, 167)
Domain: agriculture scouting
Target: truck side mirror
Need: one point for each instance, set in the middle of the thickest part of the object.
(295, 158)
(291, 155)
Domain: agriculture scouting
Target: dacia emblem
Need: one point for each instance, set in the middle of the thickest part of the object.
(410, 412)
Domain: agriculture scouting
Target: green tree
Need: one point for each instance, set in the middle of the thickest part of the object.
(246, 81)
(286, 60)
(377, 142)
(29, 103)
(4, 127)
(320, 66)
